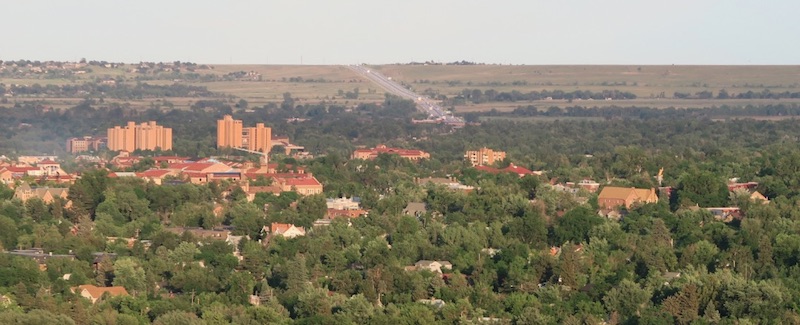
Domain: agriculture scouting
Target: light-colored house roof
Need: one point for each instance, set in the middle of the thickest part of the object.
(756, 196)
(94, 292)
(623, 193)
(286, 230)
(46, 194)
(415, 208)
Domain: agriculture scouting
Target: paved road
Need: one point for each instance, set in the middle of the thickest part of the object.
(424, 104)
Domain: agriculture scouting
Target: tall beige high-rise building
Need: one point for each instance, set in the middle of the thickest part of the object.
(484, 156)
(259, 138)
(145, 136)
(229, 132)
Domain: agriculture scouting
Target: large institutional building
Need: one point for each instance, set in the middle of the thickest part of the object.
(230, 133)
(258, 138)
(485, 157)
(145, 136)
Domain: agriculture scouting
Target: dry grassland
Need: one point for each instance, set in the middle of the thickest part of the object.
(647, 82)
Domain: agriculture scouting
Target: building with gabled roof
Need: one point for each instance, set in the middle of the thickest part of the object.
(94, 293)
(6, 176)
(285, 230)
(46, 194)
(612, 197)
(155, 175)
(756, 196)
(303, 186)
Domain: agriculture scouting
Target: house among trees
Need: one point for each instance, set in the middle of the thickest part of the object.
(415, 209)
(94, 293)
(343, 207)
(612, 197)
(451, 183)
(586, 184)
(46, 194)
(200, 233)
(285, 230)
(433, 266)
(758, 197)
(343, 203)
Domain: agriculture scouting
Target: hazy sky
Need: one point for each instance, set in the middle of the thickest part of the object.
(383, 31)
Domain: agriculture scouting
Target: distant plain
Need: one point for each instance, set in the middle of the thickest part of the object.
(654, 86)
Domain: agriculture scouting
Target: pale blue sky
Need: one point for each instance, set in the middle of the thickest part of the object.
(380, 31)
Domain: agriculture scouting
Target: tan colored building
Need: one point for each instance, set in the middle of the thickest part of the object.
(229, 132)
(303, 186)
(484, 157)
(258, 138)
(145, 136)
(286, 230)
(614, 197)
(373, 153)
(76, 145)
(46, 194)
(94, 293)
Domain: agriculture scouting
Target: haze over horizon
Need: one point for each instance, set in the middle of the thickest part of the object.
(734, 32)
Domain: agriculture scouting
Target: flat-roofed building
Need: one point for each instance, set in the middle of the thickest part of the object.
(258, 138)
(484, 156)
(87, 143)
(145, 136)
(229, 132)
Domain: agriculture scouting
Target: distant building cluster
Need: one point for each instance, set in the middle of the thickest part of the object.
(43, 168)
(411, 154)
(145, 136)
(484, 157)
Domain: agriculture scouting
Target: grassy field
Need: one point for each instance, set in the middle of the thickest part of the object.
(323, 83)
(647, 82)
(644, 102)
